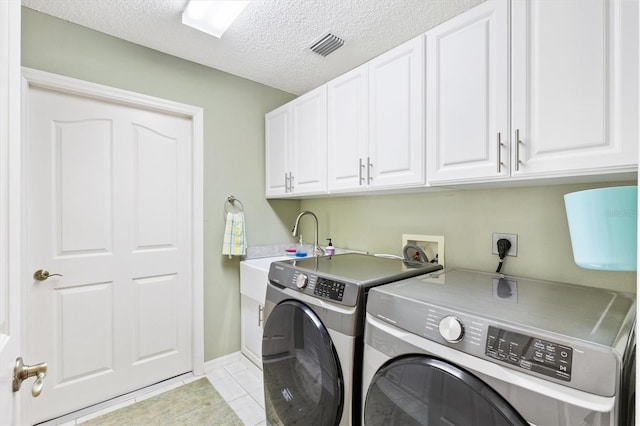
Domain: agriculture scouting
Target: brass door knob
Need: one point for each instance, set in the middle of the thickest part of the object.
(43, 274)
(22, 372)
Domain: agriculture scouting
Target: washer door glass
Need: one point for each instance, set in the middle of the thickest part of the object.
(420, 390)
(302, 378)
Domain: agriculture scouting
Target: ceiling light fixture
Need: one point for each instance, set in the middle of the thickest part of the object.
(212, 16)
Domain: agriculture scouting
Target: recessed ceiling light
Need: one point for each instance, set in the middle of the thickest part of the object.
(212, 16)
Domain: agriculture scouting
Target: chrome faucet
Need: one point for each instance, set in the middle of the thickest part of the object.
(317, 250)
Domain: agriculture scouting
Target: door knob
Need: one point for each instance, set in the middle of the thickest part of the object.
(22, 372)
(43, 274)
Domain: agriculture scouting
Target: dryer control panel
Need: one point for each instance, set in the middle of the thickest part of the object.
(530, 353)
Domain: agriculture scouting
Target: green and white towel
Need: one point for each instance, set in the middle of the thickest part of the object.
(235, 242)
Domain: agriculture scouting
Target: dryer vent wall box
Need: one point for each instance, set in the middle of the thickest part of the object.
(432, 245)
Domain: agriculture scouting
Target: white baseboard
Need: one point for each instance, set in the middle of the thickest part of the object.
(222, 361)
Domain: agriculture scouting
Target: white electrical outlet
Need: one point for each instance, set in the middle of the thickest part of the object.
(432, 245)
(513, 239)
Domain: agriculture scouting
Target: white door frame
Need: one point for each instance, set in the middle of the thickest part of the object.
(11, 318)
(41, 79)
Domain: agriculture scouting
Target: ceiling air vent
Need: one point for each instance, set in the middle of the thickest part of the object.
(327, 44)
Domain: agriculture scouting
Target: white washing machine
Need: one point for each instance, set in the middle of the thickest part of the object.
(460, 347)
(312, 341)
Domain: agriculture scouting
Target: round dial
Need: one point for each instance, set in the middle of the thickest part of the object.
(301, 281)
(451, 329)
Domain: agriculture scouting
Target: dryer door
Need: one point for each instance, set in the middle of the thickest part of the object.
(302, 378)
(420, 390)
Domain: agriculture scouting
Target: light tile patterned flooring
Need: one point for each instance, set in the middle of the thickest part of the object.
(239, 382)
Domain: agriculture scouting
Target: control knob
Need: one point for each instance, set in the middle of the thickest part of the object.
(301, 281)
(451, 329)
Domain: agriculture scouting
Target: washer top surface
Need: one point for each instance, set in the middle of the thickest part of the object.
(590, 314)
(361, 269)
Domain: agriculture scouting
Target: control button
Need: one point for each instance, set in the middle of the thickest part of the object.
(301, 281)
(451, 329)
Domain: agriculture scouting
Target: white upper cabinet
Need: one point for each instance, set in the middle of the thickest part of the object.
(347, 123)
(309, 147)
(575, 85)
(296, 146)
(277, 142)
(574, 91)
(467, 91)
(376, 136)
(396, 111)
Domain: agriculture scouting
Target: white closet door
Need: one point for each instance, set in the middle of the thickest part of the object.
(110, 210)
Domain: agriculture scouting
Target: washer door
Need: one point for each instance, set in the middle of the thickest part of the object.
(303, 382)
(420, 390)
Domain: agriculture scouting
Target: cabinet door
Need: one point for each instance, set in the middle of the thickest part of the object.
(251, 329)
(347, 130)
(396, 108)
(575, 85)
(467, 88)
(277, 140)
(309, 142)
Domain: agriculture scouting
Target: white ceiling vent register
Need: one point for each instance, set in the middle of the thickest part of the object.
(326, 44)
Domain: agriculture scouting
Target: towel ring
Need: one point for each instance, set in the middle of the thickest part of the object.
(231, 207)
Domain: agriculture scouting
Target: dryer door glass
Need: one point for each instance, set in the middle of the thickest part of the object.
(420, 390)
(302, 377)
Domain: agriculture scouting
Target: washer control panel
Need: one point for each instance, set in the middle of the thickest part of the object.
(530, 353)
(341, 292)
(329, 289)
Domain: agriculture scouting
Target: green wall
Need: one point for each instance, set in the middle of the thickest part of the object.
(234, 164)
(234, 111)
(467, 218)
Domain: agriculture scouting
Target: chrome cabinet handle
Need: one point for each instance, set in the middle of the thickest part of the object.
(360, 167)
(260, 310)
(290, 182)
(517, 166)
(499, 153)
(43, 274)
(369, 166)
(22, 372)
(286, 182)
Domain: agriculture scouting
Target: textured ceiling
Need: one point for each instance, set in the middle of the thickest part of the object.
(269, 40)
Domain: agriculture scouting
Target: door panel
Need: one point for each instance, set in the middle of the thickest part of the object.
(109, 208)
(73, 194)
(83, 355)
(156, 178)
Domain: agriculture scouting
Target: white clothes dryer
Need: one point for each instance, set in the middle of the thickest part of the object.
(460, 347)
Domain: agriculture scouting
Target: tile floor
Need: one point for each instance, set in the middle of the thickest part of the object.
(239, 382)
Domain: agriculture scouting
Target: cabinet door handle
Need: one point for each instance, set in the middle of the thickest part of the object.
(290, 182)
(260, 310)
(369, 166)
(360, 167)
(517, 166)
(286, 182)
(499, 153)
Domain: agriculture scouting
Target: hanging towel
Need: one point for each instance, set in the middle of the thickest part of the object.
(235, 243)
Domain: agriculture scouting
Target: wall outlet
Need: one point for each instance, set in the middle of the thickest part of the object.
(513, 239)
(432, 245)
